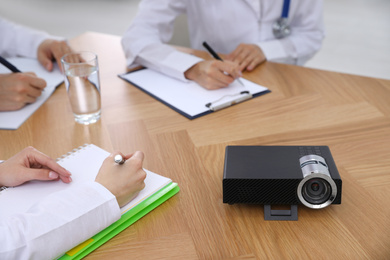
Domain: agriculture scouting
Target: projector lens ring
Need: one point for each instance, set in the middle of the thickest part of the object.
(317, 189)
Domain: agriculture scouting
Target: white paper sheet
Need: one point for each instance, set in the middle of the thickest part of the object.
(14, 119)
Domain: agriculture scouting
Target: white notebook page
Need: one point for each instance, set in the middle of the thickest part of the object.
(84, 164)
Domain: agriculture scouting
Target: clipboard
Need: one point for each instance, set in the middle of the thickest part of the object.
(189, 98)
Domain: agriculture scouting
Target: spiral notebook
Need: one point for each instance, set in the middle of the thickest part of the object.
(188, 98)
(157, 190)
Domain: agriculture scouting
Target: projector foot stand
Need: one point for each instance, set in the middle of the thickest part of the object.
(291, 215)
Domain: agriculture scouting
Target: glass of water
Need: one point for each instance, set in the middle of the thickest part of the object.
(81, 70)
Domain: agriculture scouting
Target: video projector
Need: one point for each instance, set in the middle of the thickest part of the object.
(281, 175)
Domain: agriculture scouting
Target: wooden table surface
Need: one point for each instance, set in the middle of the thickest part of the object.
(350, 114)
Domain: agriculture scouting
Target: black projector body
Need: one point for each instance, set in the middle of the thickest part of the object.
(270, 175)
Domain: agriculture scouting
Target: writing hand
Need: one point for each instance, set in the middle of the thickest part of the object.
(30, 164)
(213, 74)
(248, 56)
(19, 89)
(125, 180)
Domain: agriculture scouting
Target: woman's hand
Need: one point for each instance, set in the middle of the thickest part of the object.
(31, 164)
(213, 74)
(248, 56)
(125, 180)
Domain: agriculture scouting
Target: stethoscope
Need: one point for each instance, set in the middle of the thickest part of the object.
(280, 28)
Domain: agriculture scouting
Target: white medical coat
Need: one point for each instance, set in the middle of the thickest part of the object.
(223, 25)
(18, 40)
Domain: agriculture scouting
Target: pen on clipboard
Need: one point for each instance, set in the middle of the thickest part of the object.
(9, 65)
(216, 56)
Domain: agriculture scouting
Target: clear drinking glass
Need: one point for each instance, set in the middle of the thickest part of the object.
(81, 70)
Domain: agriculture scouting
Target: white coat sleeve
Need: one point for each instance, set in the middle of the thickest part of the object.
(18, 40)
(145, 40)
(307, 32)
(58, 223)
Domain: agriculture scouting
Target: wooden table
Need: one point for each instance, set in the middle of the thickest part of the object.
(350, 114)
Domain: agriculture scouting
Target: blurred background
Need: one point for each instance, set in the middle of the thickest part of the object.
(357, 31)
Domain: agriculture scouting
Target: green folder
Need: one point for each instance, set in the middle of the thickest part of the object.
(128, 218)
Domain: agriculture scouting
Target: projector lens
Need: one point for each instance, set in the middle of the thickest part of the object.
(317, 189)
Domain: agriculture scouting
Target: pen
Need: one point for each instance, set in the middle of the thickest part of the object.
(216, 56)
(119, 159)
(8, 65)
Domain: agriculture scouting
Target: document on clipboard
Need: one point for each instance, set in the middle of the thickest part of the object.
(188, 98)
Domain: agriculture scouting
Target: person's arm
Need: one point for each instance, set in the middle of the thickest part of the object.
(30, 164)
(307, 32)
(58, 223)
(18, 40)
(19, 89)
(145, 40)
(67, 218)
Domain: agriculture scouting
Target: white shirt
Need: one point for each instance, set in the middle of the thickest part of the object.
(17, 40)
(58, 223)
(224, 25)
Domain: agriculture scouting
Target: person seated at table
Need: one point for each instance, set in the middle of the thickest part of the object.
(242, 30)
(19, 89)
(66, 218)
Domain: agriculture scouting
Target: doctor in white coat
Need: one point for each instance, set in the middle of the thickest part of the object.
(240, 29)
(19, 89)
(67, 218)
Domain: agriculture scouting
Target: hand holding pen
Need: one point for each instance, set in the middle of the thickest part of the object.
(214, 74)
(18, 89)
(216, 56)
(123, 175)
